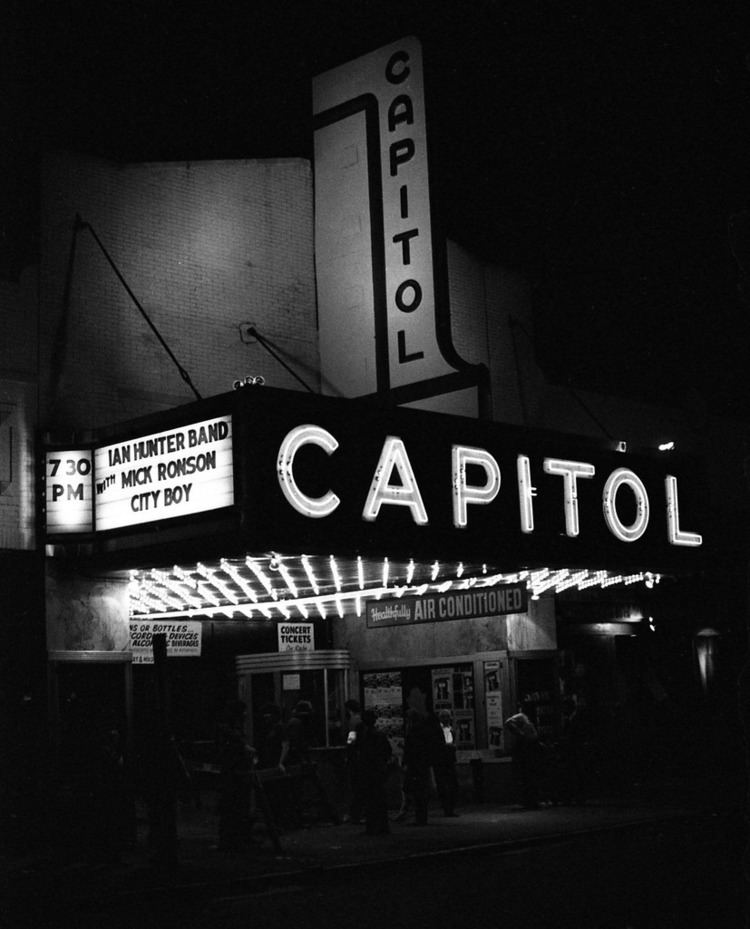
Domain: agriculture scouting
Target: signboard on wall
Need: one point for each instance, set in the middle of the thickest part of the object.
(458, 604)
(164, 475)
(182, 471)
(68, 492)
(183, 639)
(296, 637)
(383, 319)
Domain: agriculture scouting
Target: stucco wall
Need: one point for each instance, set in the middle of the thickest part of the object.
(395, 645)
(85, 614)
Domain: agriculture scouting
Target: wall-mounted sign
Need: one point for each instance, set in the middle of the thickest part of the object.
(378, 292)
(68, 497)
(296, 637)
(179, 472)
(459, 604)
(168, 474)
(183, 639)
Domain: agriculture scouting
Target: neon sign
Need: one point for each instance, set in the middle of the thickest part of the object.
(406, 493)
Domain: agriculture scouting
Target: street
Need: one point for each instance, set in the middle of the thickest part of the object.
(682, 874)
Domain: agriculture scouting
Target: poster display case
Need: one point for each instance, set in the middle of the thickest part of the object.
(446, 687)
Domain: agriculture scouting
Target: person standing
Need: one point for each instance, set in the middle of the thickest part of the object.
(525, 757)
(237, 759)
(374, 758)
(272, 753)
(355, 732)
(422, 746)
(445, 765)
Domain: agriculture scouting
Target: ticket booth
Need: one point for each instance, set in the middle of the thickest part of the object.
(285, 678)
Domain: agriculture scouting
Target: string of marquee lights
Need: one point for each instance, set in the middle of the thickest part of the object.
(273, 586)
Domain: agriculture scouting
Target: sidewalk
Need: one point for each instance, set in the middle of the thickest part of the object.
(331, 848)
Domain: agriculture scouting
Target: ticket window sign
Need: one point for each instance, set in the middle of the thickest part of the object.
(296, 637)
(68, 491)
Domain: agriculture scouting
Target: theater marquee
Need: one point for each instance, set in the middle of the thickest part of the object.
(296, 472)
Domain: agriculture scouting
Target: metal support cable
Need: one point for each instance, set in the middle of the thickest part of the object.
(80, 224)
(252, 331)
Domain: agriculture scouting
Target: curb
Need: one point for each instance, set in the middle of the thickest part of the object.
(259, 883)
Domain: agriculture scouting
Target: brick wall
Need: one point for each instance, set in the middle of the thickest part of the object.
(204, 247)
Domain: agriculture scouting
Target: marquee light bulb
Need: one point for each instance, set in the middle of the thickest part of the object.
(288, 579)
(335, 573)
(310, 574)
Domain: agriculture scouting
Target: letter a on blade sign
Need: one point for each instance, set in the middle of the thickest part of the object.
(382, 306)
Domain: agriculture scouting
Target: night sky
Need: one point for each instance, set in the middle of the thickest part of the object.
(602, 150)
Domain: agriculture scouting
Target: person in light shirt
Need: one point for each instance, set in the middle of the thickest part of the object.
(445, 766)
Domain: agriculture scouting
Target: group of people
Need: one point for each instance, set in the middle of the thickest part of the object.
(429, 751)
(428, 762)
(282, 749)
(548, 773)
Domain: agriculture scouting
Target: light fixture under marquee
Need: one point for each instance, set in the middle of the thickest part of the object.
(329, 585)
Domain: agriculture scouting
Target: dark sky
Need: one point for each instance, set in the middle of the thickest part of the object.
(600, 149)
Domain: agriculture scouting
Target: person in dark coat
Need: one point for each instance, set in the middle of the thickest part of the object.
(237, 759)
(525, 756)
(274, 743)
(273, 749)
(355, 732)
(422, 746)
(300, 734)
(374, 758)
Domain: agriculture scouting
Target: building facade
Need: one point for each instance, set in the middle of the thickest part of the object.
(185, 461)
